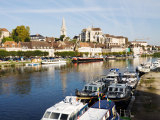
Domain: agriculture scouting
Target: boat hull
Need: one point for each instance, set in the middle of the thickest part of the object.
(81, 60)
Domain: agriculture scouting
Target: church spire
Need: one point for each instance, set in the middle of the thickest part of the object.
(63, 28)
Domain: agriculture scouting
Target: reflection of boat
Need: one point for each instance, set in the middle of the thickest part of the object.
(53, 61)
(68, 109)
(130, 78)
(119, 93)
(111, 57)
(92, 90)
(32, 64)
(101, 110)
(81, 59)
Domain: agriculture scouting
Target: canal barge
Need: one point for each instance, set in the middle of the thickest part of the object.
(68, 109)
(81, 59)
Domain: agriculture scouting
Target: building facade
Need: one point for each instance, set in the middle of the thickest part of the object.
(4, 33)
(112, 41)
(91, 35)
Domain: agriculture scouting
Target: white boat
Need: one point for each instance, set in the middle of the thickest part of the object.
(54, 61)
(68, 109)
(155, 64)
(101, 110)
(113, 76)
(130, 78)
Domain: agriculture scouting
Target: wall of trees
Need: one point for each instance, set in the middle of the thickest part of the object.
(4, 53)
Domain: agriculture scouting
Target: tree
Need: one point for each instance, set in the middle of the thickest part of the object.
(62, 37)
(6, 39)
(0, 33)
(21, 34)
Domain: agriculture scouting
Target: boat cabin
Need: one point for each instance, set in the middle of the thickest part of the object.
(68, 109)
(101, 110)
(94, 87)
(117, 90)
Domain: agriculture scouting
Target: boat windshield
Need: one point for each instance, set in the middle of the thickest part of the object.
(64, 117)
(54, 115)
(47, 114)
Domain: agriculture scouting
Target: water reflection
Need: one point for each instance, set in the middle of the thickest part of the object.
(28, 91)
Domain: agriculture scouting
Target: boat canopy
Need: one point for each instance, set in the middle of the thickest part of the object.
(114, 70)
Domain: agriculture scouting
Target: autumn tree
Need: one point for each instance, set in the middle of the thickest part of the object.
(21, 34)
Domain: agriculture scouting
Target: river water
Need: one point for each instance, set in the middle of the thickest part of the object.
(26, 92)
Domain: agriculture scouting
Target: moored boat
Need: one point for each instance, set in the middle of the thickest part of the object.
(81, 59)
(101, 110)
(119, 93)
(130, 78)
(92, 90)
(68, 109)
(53, 61)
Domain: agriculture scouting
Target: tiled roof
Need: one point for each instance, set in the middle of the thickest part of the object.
(4, 29)
(96, 29)
(108, 35)
(35, 44)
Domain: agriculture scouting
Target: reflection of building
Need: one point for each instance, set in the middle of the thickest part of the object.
(63, 78)
(90, 71)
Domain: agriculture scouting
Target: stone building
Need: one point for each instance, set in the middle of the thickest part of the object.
(4, 33)
(91, 34)
(112, 41)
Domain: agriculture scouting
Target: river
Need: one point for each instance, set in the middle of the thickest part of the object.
(26, 92)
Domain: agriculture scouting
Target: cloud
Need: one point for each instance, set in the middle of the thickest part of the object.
(62, 10)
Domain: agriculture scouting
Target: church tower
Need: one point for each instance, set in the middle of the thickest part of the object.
(63, 28)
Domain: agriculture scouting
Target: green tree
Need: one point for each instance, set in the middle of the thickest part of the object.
(0, 33)
(62, 37)
(21, 34)
(6, 39)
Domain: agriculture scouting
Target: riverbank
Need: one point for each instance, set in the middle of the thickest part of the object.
(13, 63)
(147, 105)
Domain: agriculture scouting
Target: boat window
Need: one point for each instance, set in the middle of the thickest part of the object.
(90, 88)
(121, 89)
(64, 117)
(85, 88)
(110, 89)
(116, 89)
(54, 115)
(100, 89)
(47, 114)
(95, 88)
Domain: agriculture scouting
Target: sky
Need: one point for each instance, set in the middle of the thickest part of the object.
(136, 19)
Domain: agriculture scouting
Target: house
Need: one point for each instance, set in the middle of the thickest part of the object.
(91, 48)
(38, 45)
(4, 33)
(11, 46)
(111, 40)
(37, 37)
(139, 43)
(91, 34)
